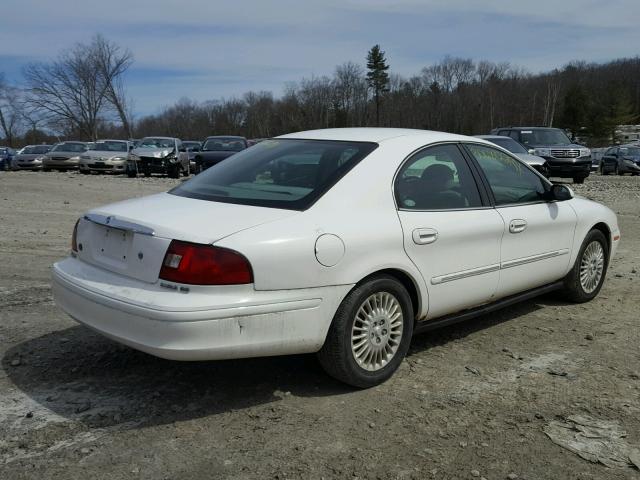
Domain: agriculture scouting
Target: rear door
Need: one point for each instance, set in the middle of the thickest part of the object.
(450, 231)
(538, 235)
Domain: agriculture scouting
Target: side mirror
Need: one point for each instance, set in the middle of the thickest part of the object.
(559, 193)
(531, 151)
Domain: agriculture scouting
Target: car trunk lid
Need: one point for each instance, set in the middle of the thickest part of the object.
(132, 237)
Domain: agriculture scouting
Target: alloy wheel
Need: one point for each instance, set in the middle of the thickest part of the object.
(591, 266)
(377, 331)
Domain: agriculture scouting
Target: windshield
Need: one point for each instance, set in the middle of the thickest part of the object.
(36, 149)
(153, 142)
(222, 144)
(279, 173)
(109, 146)
(70, 147)
(544, 136)
(194, 146)
(630, 151)
(508, 144)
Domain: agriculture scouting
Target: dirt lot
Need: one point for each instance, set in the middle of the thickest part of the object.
(470, 401)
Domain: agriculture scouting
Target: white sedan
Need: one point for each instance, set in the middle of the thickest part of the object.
(343, 242)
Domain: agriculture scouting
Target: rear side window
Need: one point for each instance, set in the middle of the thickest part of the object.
(279, 173)
(436, 178)
(511, 181)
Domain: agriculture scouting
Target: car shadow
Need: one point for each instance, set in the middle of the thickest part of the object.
(80, 375)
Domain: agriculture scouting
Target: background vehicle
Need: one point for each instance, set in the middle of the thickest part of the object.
(31, 157)
(300, 245)
(6, 158)
(621, 160)
(64, 156)
(215, 149)
(164, 155)
(564, 158)
(192, 147)
(508, 143)
(106, 156)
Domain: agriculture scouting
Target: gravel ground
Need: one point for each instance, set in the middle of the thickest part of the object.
(470, 401)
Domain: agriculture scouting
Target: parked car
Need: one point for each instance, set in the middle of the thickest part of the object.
(64, 156)
(31, 157)
(299, 245)
(216, 149)
(620, 160)
(508, 143)
(192, 147)
(564, 158)
(6, 158)
(106, 156)
(164, 155)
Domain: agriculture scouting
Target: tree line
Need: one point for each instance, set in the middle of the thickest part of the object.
(82, 95)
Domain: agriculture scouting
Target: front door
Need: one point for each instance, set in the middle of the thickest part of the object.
(450, 233)
(538, 235)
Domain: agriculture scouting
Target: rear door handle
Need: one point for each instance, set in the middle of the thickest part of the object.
(518, 225)
(424, 236)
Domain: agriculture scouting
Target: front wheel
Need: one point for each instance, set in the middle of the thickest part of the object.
(370, 333)
(578, 179)
(585, 279)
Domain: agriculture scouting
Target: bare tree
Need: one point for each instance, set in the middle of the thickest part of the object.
(10, 118)
(75, 89)
(112, 62)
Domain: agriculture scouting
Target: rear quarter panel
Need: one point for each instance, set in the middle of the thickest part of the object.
(359, 209)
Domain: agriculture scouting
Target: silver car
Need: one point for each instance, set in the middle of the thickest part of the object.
(64, 156)
(105, 156)
(164, 155)
(508, 143)
(31, 157)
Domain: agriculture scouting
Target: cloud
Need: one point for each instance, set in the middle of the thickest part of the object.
(203, 49)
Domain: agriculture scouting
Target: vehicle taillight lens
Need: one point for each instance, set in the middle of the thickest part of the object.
(74, 238)
(197, 264)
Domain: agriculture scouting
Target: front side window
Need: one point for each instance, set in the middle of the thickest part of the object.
(437, 178)
(511, 181)
(279, 173)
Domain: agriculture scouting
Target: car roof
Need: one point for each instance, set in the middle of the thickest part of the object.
(493, 137)
(156, 136)
(374, 134)
(110, 140)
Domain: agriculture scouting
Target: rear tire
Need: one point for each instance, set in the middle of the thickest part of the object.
(370, 333)
(585, 279)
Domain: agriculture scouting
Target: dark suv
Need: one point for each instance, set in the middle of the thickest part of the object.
(564, 158)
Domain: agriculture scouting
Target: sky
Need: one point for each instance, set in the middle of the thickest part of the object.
(212, 49)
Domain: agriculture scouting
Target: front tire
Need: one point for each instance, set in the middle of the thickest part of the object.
(585, 279)
(370, 333)
(578, 179)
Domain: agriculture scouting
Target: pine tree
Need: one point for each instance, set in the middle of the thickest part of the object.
(377, 76)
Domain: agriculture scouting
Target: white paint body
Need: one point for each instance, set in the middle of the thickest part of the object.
(305, 262)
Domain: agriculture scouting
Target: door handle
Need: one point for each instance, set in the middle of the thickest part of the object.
(424, 236)
(518, 225)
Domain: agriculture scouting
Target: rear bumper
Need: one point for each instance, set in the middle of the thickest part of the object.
(272, 323)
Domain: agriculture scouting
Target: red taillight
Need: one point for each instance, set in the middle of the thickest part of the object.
(74, 238)
(197, 264)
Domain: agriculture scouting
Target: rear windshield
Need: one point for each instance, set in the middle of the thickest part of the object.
(508, 144)
(544, 136)
(278, 173)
